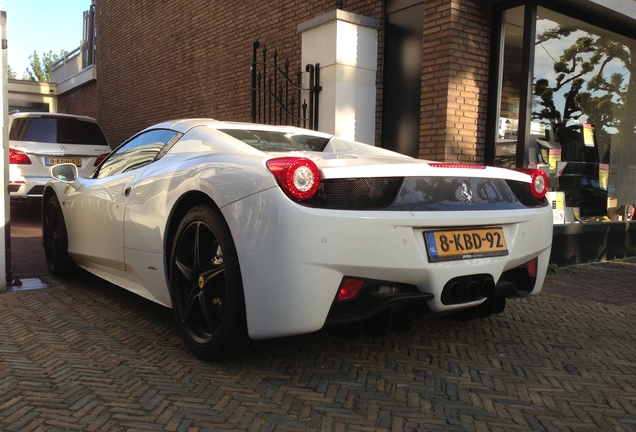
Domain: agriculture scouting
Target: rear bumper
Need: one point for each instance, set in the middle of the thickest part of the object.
(376, 297)
(27, 187)
(290, 289)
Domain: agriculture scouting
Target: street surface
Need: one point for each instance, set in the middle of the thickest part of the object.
(81, 354)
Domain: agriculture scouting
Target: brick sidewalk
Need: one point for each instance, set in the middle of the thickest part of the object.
(85, 355)
(612, 282)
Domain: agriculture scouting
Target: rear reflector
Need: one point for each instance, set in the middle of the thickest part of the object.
(349, 288)
(532, 268)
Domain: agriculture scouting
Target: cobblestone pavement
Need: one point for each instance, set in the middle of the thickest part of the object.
(81, 354)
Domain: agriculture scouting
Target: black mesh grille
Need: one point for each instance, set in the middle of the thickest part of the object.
(422, 194)
(356, 193)
(523, 194)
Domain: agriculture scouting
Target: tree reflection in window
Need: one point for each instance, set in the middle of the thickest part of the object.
(584, 74)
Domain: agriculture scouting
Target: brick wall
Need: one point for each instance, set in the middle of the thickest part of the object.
(162, 60)
(454, 80)
(81, 100)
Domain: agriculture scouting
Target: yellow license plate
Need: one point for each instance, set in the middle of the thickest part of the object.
(465, 244)
(57, 161)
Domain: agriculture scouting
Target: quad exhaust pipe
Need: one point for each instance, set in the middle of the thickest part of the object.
(467, 289)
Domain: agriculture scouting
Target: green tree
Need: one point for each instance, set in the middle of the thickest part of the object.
(40, 69)
(10, 73)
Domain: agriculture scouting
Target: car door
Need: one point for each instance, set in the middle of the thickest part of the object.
(96, 218)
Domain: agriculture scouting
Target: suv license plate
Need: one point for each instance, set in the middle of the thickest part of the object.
(56, 161)
(465, 244)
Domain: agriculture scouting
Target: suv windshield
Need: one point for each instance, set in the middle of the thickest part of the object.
(51, 129)
(269, 141)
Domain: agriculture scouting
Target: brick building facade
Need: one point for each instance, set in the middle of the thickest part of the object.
(80, 101)
(471, 67)
(177, 59)
(160, 60)
(456, 46)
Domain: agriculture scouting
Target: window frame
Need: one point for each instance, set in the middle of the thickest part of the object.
(496, 59)
(134, 146)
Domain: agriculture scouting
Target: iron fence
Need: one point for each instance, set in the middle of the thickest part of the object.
(277, 94)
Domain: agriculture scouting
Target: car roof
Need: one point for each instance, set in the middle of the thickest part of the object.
(19, 114)
(183, 125)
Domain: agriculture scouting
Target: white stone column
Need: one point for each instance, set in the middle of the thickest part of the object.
(346, 47)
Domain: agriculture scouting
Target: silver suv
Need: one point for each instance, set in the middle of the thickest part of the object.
(38, 141)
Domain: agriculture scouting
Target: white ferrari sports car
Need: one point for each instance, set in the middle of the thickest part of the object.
(251, 232)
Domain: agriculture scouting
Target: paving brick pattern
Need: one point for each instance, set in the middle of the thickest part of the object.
(85, 355)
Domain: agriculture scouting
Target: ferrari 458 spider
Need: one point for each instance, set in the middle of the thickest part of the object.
(251, 232)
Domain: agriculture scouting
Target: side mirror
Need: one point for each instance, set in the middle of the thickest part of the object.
(66, 172)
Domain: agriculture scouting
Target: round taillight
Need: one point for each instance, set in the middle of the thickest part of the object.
(298, 177)
(539, 182)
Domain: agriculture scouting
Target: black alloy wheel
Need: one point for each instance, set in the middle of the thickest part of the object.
(55, 239)
(206, 286)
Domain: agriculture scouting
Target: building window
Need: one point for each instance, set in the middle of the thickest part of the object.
(511, 86)
(580, 113)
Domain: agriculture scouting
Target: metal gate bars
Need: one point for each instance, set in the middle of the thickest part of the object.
(277, 94)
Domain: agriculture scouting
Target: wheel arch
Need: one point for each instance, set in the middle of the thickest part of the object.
(48, 192)
(181, 207)
(233, 335)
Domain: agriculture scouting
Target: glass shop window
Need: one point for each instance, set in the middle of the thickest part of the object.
(583, 116)
(508, 126)
(581, 113)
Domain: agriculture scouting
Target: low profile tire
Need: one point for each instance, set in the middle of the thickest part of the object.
(55, 239)
(206, 286)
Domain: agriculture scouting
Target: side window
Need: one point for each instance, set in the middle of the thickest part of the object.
(33, 129)
(135, 153)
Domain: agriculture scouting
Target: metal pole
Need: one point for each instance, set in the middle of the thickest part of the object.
(90, 37)
(317, 90)
(6, 276)
(253, 89)
(310, 68)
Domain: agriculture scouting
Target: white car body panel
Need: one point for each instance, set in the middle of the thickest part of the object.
(292, 257)
(346, 243)
(100, 200)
